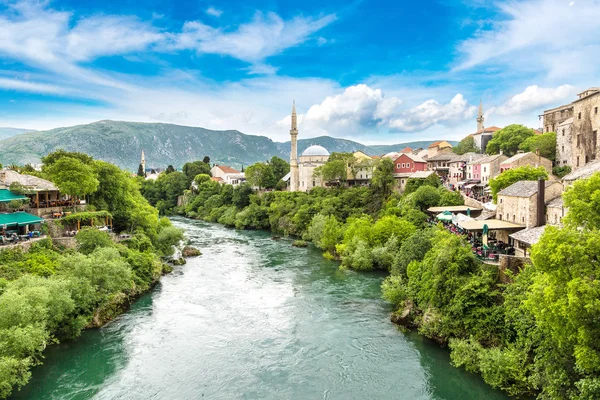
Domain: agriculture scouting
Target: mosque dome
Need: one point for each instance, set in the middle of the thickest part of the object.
(315, 150)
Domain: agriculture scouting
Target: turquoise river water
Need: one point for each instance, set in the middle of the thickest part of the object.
(253, 318)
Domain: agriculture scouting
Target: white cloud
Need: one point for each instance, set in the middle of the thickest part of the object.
(431, 113)
(26, 86)
(361, 109)
(534, 97)
(552, 36)
(266, 35)
(214, 12)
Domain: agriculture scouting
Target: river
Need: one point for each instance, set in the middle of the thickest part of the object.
(253, 318)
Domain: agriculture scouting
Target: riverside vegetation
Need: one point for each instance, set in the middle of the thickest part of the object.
(50, 293)
(537, 335)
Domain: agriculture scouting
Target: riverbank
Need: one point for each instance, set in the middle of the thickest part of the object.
(254, 318)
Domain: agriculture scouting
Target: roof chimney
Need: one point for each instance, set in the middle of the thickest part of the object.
(541, 202)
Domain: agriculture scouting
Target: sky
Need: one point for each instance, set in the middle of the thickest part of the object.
(372, 71)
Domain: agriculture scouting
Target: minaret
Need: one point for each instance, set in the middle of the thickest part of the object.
(143, 162)
(480, 117)
(294, 177)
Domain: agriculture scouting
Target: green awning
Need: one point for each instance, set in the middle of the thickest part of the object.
(19, 219)
(6, 196)
(445, 216)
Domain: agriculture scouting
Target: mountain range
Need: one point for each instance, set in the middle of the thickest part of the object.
(121, 143)
(5, 133)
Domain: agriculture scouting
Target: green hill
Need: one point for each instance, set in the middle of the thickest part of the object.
(5, 133)
(121, 143)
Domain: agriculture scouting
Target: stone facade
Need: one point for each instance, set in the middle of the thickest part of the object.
(564, 148)
(523, 159)
(490, 167)
(585, 128)
(522, 208)
(577, 126)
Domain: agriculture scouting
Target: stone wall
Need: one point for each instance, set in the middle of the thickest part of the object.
(554, 117)
(584, 131)
(512, 264)
(564, 145)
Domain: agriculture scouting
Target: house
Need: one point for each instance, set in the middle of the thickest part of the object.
(474, 171)
(229, 176)
(440, 163)
(438, 147)
(490, 167)
(458, 167)
(519, 203)
(406, 165)
(406, 150)
(362, 172)
(523, 159)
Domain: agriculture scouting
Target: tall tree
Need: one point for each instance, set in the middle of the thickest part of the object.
(73, 177)
(545, 143)
(465, 146)
(191, 169)
(261, 175)
(141, 171)
(206, 160)
(169, 169)
(337, 167)
(280, 167)
(508, 139)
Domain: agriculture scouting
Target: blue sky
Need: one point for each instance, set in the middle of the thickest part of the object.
(372, 71)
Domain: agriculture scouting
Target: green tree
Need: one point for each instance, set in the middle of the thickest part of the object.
(280, 167)
(169, 169)
(412, 184)
(141, 171)
(507, 178)
(508, 139)
(545, 143)
(72, 176)
(261, 175)
(89, 239)
(466, 145)
(206, 160)
(192, 169)
(336, 168)
(426, 197)
(382, 183)
(56, 155)
(583, 202)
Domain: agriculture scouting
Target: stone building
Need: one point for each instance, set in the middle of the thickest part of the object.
(523, 159)
(440, 147)
(555, 211)
(518, 203)
(576, 125)
(362, 172)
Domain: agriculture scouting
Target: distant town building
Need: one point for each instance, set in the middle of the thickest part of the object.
(311, 158)
(490, 167)
(576, 125)
(523, 159)
(439, 147)
(228, 175)
(363, 170)
(405, 166)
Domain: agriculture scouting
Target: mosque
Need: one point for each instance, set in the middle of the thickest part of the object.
(302, 169)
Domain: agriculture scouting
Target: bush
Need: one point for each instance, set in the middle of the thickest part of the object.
(89, 239)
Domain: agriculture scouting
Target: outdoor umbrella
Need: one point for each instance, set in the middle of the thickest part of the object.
(445, 216)
(484, 238)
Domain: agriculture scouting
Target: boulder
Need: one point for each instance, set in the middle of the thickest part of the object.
(189, 251)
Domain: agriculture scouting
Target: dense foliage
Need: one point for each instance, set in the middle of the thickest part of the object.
(508, 139)
(49, 294)
(466, 145)
(507, 178)
(545, 143)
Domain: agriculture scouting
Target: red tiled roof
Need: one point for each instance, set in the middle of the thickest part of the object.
(406, 150)
(488, 129)
(228, 170)
(216, 179)
(434, 144)
(376, 157)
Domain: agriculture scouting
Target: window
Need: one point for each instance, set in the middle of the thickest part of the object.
(484, 169)
(579, 140)
(563, 148)
(407, 165)
(403, 165)
(578, 161)
(595, 110)
(500, 217)
(563, 132)
(501, 200)
(587, 159)
(514, 217)
(579, 116)
(314, 183)
(398, 166)
(523, 219)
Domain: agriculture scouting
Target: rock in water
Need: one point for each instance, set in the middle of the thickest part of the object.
(189, 251)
